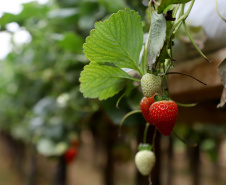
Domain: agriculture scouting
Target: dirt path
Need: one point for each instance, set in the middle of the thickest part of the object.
(8, 175)
(88, 169)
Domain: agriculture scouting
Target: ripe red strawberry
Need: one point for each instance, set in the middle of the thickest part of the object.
(163, 115)
(144, 107)
(70, 154)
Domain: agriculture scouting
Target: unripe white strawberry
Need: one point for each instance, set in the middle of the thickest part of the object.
(150, 84)
(145, 160)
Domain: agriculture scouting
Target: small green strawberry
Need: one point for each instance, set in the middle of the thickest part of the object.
(150, 84)
(163, 115)
(145, 160)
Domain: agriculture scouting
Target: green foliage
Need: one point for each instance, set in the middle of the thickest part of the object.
(72, 42)
(165, 3)
(41, 102)
(156, 37)
(63, 13)
(115, 43)
(40, 97)
(117, 40)
(30, 10)
(102, 81)
(113, 7)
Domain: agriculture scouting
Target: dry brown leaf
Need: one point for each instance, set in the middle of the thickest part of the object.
(222, 74)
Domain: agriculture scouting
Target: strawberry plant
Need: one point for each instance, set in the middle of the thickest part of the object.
(150, 84)
(117, 55)
(163, 115)
(145, 160)
(145, 104)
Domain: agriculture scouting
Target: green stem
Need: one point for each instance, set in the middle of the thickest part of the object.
(156, 2)
(179, 25)
(145, 133)
(124, 94)
(177, 28)
(144, 62)
(218, 12)
(185, 142)
(140, 71)
(186, 105)
(175, 10)
(153, 139)
(126, 116)
(129, 114)
(169, 66)
(117, 103)
(192, 41)
(182, 18)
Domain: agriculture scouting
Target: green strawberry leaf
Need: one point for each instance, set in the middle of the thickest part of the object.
(102, 81)
(117, 40)
(156, 38)
(165, 3)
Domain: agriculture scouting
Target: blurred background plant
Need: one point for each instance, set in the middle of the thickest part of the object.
(43, 113)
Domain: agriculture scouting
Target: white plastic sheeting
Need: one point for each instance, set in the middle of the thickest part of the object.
(204, 14)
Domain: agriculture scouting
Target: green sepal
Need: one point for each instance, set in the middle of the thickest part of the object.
(160, 98)
(165, 97)
(154, 71)
(144, 146)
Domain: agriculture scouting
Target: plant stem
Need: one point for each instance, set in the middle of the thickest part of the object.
(178, 23)
(126, 116)
(192, 41)
(149, 179)
(175, 10)
(140, 71)
(156, 2)
(180, 19)
(124, 94)
(186, 75)
(153, 139)
(185, 142)
(186, 105)
(218, 12)
(145, 133)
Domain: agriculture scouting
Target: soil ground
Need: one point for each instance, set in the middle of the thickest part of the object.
(88, 169)
(8, 175)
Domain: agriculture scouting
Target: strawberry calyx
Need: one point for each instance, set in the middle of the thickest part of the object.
(144, 146)
(154, 72)
(158, 97)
